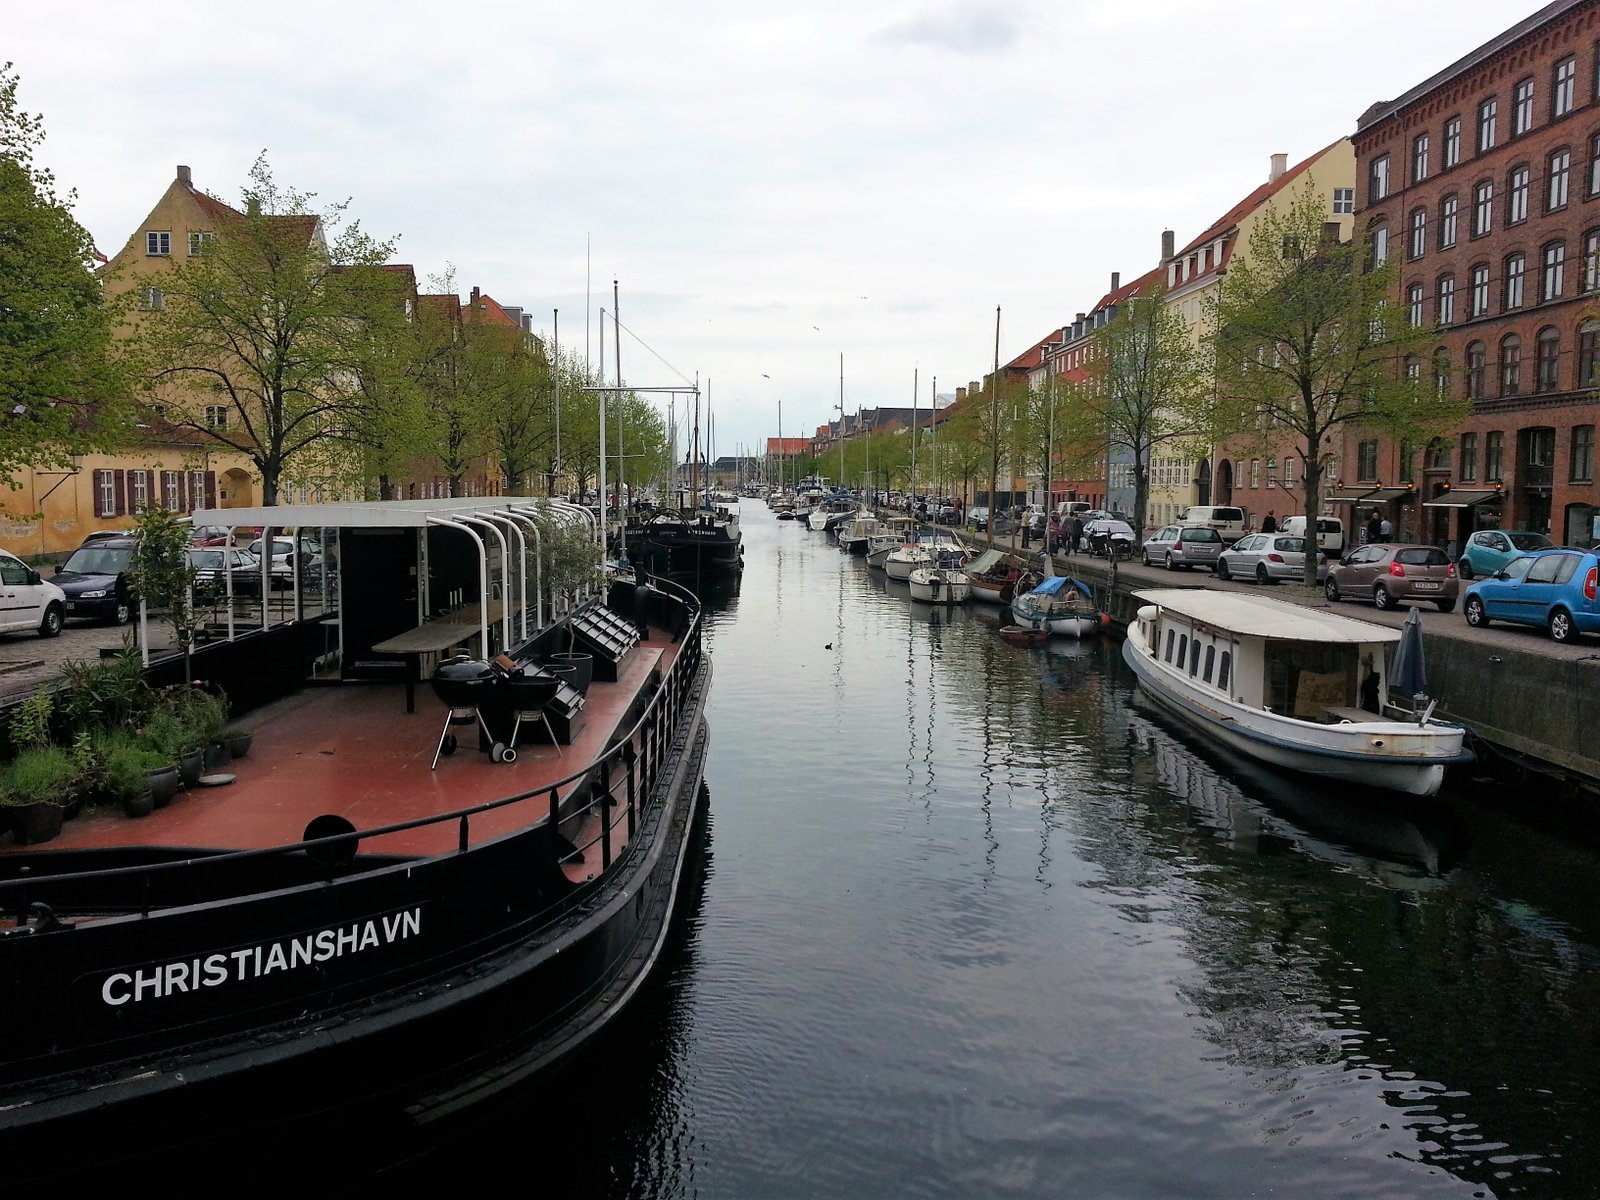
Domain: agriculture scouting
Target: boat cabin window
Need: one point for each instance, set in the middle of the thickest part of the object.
(1305, 678)
(1194, 657)
(1211, 661)
(1183, 649)
(1222, 670)
(1171, 636)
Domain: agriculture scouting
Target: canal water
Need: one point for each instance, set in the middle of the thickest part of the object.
(972, 921)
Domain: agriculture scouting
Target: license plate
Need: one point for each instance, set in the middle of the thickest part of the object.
(1426, 587)
(71, 606)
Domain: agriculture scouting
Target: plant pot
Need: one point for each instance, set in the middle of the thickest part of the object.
(36, 822)
(164, 784)
(239, 745)
(72, 807)
(191, 765)
(583, 661)
(140, 804)
(217, 757)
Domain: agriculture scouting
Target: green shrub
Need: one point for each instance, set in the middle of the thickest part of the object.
(39, 773)
(127, 763)
(104, 693)
(169, 735)
(30, 722)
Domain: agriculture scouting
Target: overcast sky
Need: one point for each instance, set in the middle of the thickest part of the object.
(772, 186)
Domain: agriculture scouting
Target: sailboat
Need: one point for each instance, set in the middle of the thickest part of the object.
(697, 540)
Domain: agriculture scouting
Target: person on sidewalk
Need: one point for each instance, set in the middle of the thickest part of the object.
(1269, 524)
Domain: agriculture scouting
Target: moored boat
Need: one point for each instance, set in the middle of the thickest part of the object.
(993, 577)
(1291, 686)
(1060, 605)
(689, 543)
(343, 938)
(941, 581)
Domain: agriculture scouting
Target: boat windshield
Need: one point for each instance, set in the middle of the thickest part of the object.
(1305, 678)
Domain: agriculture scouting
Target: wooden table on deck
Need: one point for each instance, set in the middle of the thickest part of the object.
(434, 637)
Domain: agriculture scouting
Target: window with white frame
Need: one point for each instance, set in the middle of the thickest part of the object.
(1516, 268)
(1483, 208)
(1419, 158)
(1414, 304)
(1594, 165)
(1591, 261)
(152, 298)
(1288, 472)
(1419, 232)
(1480, 290)
(1555, 260)
(1448, 209)
(170, 481)
(199, 242)
(1380, 244)
(158, 242)
(1447, 299)
(1559, 170)
(1488, 114)
(1517, 195)
(197, 490)
(105, 490)
(1522, 107)
(1565, 87)
(1344, 201)
(1378, 184)
(216, 416)
(139, 489)
(1452, 142)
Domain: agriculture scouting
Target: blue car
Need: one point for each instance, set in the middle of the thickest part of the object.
(1490, 549)
(1556, 589)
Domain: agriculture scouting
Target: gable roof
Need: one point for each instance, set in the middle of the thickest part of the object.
(1230, 219)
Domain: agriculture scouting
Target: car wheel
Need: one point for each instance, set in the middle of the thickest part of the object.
(1171, 566)
(1476, 617)
(1331, 589)
(1222, 569)
(1447, 605)
(124, 613)
(1261, 574)
(53, 619)
(1562, 628)
(1464, 568)
(1382, 599)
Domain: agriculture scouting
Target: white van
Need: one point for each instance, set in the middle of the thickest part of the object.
(1224, 518)
(1330, 533)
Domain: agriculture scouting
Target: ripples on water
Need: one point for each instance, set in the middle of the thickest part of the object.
(975, 922)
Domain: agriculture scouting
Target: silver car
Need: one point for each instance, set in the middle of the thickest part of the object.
(1188, 546)
(1267, 558)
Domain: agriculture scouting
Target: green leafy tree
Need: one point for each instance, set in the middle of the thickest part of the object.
(273, 324)
(162, 575)
(1146, 390)
(59, 390)
(1306, 340)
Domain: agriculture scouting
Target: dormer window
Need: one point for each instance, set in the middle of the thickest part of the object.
(158, 242)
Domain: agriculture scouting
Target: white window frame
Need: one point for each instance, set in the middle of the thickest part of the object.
(152, 298)
(1344, 201)
(1452, 142)
(158, 243)
(105, 487)
(1566, 86)
(138, 489)
(216, 416)
(172, 498)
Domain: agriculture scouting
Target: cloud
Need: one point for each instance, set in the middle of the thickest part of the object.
(965, 28)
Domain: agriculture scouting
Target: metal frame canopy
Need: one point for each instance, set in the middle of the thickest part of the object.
(465, 514)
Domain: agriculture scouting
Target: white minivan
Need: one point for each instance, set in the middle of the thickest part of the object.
(27, 601)
(1330, 533)
(1224, 518)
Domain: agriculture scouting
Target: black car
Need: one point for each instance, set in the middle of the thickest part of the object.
(95, 580)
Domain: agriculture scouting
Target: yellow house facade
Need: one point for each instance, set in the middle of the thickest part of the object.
(1233, 473)
(49, 512)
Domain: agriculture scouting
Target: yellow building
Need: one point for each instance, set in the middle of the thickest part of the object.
(50, 512)
(1254, 477)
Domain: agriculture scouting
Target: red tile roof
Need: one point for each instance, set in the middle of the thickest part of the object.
(1231, 218)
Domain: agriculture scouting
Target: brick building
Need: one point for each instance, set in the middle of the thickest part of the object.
(1484, 180)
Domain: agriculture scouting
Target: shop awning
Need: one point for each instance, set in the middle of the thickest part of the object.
(1347, 495)
(1385, 494)
(1463, 498)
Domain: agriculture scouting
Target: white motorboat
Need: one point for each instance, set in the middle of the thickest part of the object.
(855, 534)
(828, 513)
(893, 535)
(919, 552)
(1294, 687)
(940, 582)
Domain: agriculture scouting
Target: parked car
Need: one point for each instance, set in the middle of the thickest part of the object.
(1174, 546)
(212, 565)
(1554, 588)
(27, 601)
(95, 580)
(1073, 508)
(1390, 572)
(1224, 518)
(978, 518)
(1330, 533)
(1490, 549)
(1106, 537)
(1266, 558)
(287, 555)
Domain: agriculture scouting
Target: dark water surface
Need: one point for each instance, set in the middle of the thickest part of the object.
(974, 922)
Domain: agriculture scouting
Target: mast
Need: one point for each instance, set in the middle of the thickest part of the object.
(694, 460)
(602, 394)
(841, 418)
(994, 429)
(556, 373)
(933, 420)
(622, 512)
(911, 492)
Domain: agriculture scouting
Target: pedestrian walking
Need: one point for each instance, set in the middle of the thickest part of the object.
(1374, 527)
(1074, 532)
(1385, 531)
(1269, 524)
(1053, 533)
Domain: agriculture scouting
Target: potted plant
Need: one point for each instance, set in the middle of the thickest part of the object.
(172, 730)
(163, 576)
(238, 741)
(128, 765)
(33, 787)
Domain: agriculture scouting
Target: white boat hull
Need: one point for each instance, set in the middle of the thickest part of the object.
(1050, 613)
(1398, 756)
(938, 585)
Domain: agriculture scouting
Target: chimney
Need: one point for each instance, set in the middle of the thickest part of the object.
(1116, 280)
(474, 297)
(1169, 244)
(1280, 164)
(183, 176)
